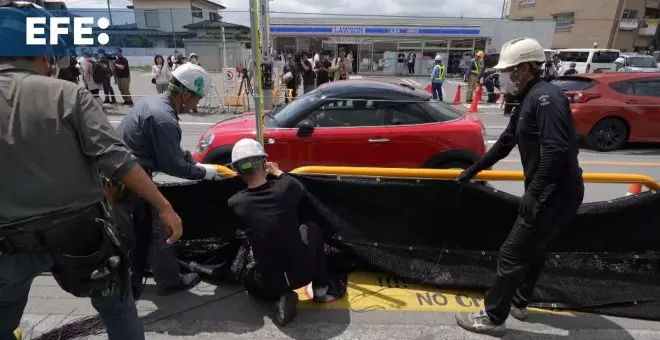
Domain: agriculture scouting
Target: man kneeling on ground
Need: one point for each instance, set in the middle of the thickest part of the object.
(288, 254)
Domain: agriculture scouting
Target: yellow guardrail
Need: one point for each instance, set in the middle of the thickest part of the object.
(451, 174)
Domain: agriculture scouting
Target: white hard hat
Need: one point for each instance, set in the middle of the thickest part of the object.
(620, 60)
(438, 58)
(193, 77)
(247, 148)
(519, 51)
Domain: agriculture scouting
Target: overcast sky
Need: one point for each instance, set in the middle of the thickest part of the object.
(434, 8)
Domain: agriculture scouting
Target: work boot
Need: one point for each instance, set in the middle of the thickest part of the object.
(324, 295)
(286, 308)
(106, 101)
(519, 313)
(189, 281)
(480, 323)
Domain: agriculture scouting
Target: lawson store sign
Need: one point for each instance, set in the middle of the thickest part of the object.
(376, 31)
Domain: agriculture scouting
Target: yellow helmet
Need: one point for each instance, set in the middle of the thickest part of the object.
(480, 54)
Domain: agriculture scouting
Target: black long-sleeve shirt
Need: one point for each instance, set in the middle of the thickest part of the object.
(270, 216)
(151, 131)
(544, 132)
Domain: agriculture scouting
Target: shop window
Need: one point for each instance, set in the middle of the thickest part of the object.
(410, 45)
(463, 43)
(436, 44)
(384, 56)
(285, 44)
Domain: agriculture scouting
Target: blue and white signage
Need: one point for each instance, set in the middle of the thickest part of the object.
(375, 30)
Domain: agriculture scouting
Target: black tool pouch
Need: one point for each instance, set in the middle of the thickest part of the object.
(89, 259)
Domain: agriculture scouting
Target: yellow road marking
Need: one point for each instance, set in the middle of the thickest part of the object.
(372, 292)
(612, 163)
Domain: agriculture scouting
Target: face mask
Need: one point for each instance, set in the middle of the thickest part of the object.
(507, 84)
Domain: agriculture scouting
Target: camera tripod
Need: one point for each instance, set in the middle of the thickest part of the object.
(246, 86)
(208, 101)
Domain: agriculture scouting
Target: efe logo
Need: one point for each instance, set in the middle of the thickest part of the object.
(82, 29)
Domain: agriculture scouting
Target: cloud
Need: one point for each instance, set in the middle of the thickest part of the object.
(237, 10)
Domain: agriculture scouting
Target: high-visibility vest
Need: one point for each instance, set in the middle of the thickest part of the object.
(475, 67)
(441, 73)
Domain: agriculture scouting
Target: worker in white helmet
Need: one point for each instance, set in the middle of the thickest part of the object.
(152, 132)
(288, 251)
(544, 132)
(437, 77)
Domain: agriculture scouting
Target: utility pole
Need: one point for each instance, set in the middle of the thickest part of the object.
(256, 56)
(267, 66)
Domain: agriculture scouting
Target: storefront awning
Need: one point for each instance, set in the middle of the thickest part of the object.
(375, 31)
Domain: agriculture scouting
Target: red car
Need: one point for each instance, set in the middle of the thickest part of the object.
(613, 108)
(355, 123)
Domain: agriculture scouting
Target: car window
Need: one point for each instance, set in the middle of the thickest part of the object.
(440, 111)
(576, 57)
(347, 113)
(289, 113)
(404, 113)
(574, 83)
(650, 88)
(645, 61)
(623, 87)
(604, 57)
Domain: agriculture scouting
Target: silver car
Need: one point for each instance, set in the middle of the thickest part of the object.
(638, 63)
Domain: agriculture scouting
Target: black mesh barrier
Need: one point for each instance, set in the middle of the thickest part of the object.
(446, 235)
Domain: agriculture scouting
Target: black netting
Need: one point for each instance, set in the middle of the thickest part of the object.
(447, 235)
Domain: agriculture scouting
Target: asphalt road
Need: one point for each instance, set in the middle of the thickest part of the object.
(223, 312)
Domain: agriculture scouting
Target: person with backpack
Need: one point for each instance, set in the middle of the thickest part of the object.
(92, 74)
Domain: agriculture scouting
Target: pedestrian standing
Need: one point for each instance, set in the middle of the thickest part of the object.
(475, 72)
(308, 75)
(123, 76)
(544, 132)
(437, 76)
(160, 74)
(52, 203)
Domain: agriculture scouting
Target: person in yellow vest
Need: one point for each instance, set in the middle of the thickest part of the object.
(475, 71)
(437, 76)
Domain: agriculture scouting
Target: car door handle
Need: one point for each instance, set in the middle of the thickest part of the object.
(269, 141)
(379, 140)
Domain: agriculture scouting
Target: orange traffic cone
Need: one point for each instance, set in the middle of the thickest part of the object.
(480, 91)
(474, 107)
(457, 97)
(428, 88)
(634, 189)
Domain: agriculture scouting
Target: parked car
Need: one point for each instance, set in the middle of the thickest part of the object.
(613, 108)
(356, 123)
(590, 60)
(634, 62)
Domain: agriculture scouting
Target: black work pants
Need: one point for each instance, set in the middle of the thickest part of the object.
(522, 256)
(261, 283)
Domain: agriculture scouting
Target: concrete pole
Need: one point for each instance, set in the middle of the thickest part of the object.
(256, 56)
(224, 49)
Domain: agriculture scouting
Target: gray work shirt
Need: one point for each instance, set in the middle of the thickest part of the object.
(151, 130)
(54, 139)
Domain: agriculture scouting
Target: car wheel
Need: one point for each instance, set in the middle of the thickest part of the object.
(608, 135)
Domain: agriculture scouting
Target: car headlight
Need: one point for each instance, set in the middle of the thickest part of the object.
(205, 142)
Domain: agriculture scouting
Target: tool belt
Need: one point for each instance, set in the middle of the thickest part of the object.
(88, 254)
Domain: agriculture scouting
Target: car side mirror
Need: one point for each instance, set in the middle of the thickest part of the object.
(305, 128)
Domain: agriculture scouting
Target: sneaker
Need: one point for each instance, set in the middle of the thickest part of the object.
(189, 281)
(286, 308)
(519, 313)
(323, 295)
(480, 323)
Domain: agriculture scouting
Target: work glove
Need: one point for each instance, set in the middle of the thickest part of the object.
(211, 171)
(527, 206)
(467, 174)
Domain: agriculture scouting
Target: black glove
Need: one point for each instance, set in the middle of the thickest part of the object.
(467, 174)
(527, 206)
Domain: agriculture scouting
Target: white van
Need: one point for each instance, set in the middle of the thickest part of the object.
(590, 60)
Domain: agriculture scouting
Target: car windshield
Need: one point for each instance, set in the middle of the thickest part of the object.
(284, 114)
(642, 62)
